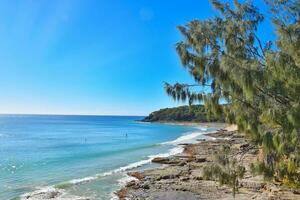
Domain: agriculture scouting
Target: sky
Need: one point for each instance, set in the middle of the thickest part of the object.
(92, 57)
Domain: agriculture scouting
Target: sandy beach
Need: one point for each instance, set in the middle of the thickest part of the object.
(218, 125)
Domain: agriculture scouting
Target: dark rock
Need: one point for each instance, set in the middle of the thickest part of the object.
(182, 163)
(203, 159)
(243, 146)
(161, 160)
(53, 194)
(130, 184)
(169, 176)
(166, 177)
(296, 192)
(146, 186)
(166, 161)
(185, 179)
(137, 175)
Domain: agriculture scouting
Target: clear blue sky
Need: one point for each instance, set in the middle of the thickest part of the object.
(91, 56)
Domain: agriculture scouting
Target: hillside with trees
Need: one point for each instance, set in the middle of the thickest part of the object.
(193, 113)
(260, 80)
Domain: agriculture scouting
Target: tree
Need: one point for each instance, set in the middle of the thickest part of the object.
(259, 81)
(225, 169)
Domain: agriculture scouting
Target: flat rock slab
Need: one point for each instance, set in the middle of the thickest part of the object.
(172, 195)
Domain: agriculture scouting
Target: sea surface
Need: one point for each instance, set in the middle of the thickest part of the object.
(81, 156)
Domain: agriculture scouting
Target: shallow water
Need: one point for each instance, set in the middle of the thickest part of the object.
(85, 156)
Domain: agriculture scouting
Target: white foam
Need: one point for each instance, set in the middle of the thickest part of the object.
(189, 138)
(83, 180)
(50, 192)
(122, 182)
(126, 179)
(114, 196)
(119, 170)
(133, 165)
(173, 151)
(40, 193)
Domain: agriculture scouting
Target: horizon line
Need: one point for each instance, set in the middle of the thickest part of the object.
(55, 114)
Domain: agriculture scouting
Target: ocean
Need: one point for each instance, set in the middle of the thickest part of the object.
(81, 156)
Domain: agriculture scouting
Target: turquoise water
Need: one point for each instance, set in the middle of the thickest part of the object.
(81, 156)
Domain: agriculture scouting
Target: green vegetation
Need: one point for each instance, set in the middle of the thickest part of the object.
(193, 113)
(225, 170)
(259, 80)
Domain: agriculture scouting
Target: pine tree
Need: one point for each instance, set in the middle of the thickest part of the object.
(225, 170)
(259, 81)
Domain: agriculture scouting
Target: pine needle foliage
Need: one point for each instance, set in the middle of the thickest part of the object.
(225, 170)
(258, 80)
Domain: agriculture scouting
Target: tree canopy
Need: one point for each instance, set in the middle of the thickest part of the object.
(258, 80)
(193, 113)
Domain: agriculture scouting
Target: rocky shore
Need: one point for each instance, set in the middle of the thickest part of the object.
(181, 176)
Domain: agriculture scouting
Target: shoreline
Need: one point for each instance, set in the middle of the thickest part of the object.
(180, 176)
(57, 191)
(187, 123)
